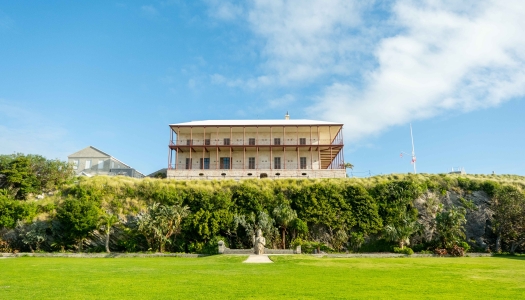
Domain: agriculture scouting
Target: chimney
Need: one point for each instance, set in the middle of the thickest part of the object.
(287, 116)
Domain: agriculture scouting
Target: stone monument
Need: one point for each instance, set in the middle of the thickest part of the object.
(222, 247)
(259, 243)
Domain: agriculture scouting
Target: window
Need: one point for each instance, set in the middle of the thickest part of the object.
(188, 163)
(226, 141)
(112, 164)
(251, 162)
(75, 164)
(100, 164)
(276, 162)
(251, 141)
(88, 164)
(302, 141)
(303, 162)
(189, 142)
(224, 163)
(277, 141)
(205, 164)
(207, 142)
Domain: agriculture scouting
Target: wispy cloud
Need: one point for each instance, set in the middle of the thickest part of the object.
(416, 60)
(282, 102)
(224, 10)
(5, 21)
(28, 132)
(149, 10)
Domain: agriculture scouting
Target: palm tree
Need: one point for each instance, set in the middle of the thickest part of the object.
(160, 222)
(450, 226)
(284, 215)
(107, 221)
(402, 232)
(348, 166)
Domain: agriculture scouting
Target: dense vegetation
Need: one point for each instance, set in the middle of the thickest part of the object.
(125, 214)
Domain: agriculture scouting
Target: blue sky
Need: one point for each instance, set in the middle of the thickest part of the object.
(115, 74)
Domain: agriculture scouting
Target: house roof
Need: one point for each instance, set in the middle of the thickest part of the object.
(80, 154)
(256, 123)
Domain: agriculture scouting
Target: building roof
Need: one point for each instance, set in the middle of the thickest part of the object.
(256, 123)
(80, 154)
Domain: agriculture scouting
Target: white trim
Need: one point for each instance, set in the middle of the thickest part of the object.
(255, 123)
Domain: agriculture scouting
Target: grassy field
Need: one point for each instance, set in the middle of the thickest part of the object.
(291, 277)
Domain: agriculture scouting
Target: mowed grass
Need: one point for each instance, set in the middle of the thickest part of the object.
(292, 277)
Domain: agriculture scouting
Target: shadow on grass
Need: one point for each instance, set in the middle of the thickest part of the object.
(509, 256)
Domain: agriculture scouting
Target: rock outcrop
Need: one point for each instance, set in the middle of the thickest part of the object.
(478, 215)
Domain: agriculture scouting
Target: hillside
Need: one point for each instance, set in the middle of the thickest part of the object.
(349, 214)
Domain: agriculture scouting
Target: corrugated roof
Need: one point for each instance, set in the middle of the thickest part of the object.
(255, 123)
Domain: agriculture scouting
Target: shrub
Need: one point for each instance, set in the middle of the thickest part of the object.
(465, 246)
(406, 250)
(440, 252)
(457, 251)
(4, 247)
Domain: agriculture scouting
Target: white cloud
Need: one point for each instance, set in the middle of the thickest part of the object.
(303, 40)
(306, 39)
(448, 57)
(412, 60)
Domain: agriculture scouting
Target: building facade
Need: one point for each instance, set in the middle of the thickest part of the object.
(91, 161)
(242, 149)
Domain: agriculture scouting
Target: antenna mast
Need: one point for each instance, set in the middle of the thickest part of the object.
(413, 151)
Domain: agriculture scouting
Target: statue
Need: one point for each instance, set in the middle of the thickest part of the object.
(259, 243)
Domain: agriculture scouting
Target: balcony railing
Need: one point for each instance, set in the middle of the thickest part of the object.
(240, 166)
(259, 142)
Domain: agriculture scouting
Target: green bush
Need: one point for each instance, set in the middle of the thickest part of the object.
(465, 246)
(406, 250)
(12, 211)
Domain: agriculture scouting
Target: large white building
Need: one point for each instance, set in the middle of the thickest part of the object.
(241, 149)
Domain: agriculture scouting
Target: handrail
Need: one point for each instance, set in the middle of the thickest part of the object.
(259, 142)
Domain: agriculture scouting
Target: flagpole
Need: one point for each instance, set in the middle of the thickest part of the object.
(413, 151)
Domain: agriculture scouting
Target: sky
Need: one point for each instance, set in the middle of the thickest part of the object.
(114, 75)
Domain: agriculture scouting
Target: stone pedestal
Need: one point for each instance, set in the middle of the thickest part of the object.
(222, 247)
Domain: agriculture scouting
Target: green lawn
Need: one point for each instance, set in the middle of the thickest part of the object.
(225, 277)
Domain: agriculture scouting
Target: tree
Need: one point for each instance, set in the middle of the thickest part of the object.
(402, 232)
(365, 212)
(106, 222)
(22, 174)
(450, 226)
(339, 239)
(33, 234)
(253, 222)
(78, 217)
(284, 215)
(348, 166)
(19, 177)
(508, 205)
(160, 222)
(12, 211)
